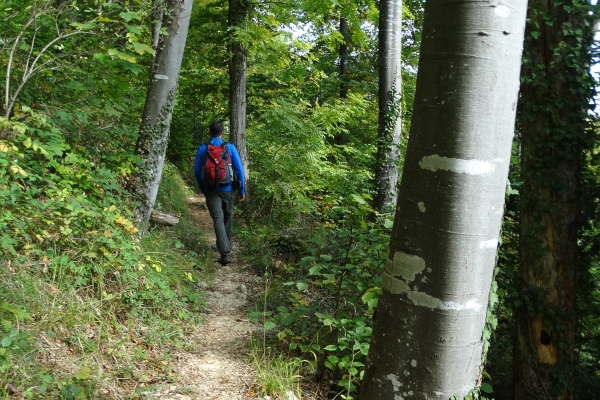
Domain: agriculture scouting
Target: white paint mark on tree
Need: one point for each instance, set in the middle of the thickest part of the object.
(502, 11)
(488, 244)
(421, 206)
(469, 167)
(162, 77)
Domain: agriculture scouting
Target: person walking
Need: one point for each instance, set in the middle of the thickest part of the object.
(219, 172)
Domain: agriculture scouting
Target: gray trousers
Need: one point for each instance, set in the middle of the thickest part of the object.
(220, 207)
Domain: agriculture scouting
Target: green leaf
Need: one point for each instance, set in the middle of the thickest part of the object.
(142, 48)
(331, 347)
(255, 314)
(270, 325)
(314, 270)
(7, 341)
(83, 373)
(326, 257)
(128, 16)
(486, 388)
(388, 224)
(133, 29)
(301, 286)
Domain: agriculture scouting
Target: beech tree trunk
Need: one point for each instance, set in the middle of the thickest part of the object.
(344, 58)
(428, 331)
(158, 109)
(555, 136)
(238, 17)
(390, 86)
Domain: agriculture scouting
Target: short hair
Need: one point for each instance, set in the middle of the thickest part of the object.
(216, 128)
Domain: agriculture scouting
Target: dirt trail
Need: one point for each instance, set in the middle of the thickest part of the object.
(218, 366)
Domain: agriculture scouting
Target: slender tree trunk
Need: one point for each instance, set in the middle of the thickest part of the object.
(344, 58)
(158, 7)
(390, 85)
(428, 332)
(158, 110)
(238, 17)
(555, 135)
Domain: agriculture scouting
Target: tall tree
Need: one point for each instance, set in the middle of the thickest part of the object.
(238, 18)
(345, 32)
(428, 338)
(158, 109)
(555, 135)
(390, 84)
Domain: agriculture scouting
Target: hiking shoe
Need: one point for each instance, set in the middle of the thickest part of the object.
(225, 259)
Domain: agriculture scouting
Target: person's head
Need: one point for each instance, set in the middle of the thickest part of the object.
(216, 129)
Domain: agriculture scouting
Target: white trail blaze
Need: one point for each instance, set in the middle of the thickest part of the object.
(469, 167)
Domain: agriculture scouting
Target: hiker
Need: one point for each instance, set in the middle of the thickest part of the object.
(219, 172)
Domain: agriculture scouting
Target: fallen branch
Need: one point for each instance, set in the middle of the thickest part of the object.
(159, 217)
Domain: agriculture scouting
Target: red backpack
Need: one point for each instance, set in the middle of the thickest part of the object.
(216, 167)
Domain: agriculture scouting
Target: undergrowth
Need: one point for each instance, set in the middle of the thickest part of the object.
(87, 309)
(324, 283)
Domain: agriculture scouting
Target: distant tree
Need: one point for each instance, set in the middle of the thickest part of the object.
(555, 134)
(158, 109)
(238, 18)
(428, 336)
(390, 85)
(344, 63)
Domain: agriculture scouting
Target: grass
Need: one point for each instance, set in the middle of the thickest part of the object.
(110, 336)
(276, 375)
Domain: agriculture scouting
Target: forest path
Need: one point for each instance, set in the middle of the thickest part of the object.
(218, 367)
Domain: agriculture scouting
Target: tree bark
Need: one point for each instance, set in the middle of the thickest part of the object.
(344, 58)
(238, 17)
(555, 135)
(428, 331)
(390, 86)
(158, 109)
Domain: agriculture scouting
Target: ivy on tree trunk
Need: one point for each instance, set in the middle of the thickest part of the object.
(428, 336)
(555, 134)
(158, 109)
(389, 122)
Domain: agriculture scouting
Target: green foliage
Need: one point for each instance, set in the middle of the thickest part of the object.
(66, 239)
(323, 304)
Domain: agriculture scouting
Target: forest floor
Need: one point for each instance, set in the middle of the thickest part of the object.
(217, 365)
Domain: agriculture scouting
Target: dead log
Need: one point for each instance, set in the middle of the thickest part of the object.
(159, 217)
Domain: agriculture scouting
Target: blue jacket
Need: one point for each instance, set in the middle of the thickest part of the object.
(236, 162)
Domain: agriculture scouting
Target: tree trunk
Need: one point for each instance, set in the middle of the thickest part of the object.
(428, 339)
(158, 7)
(555, 135)
(156, 118)
(390, 86)
(238, 17)
(344, 58)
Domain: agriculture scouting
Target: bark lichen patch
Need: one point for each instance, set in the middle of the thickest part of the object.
(413, 363)
(457, 165)
(395, 382)
(421, 206)
(405, 265)
(399, 286)
(393, 285)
